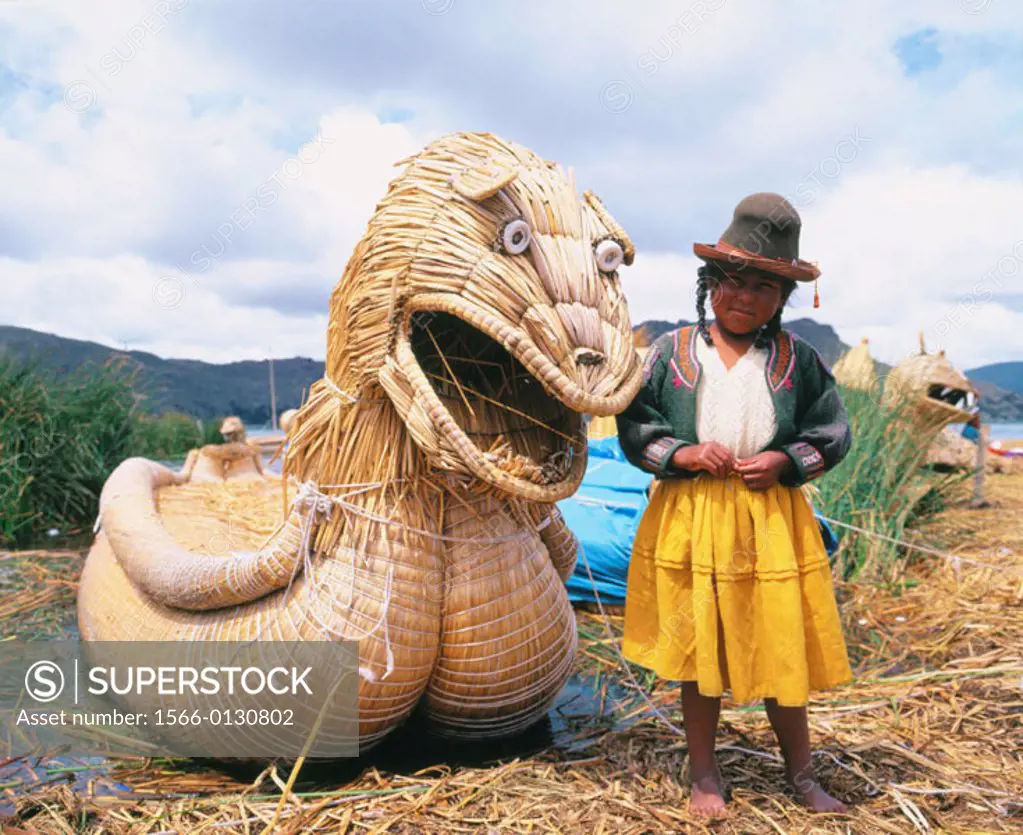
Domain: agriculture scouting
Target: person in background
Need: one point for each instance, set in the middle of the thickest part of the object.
(233, 430)
(971, 429)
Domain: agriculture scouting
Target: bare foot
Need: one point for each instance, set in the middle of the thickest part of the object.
(817, 800)
(707, 798)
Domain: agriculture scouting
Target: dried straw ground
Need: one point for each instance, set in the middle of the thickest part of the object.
(928, 739)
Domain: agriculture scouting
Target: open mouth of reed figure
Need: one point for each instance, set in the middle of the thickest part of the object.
(954, 398)
(511, 421)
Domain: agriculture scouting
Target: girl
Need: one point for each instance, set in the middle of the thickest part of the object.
(729, 584)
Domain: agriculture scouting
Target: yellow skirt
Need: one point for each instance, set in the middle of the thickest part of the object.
(731, 588)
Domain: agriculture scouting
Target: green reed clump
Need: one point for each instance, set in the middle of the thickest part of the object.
(170, 435)
(880, 485)
(62, 436)
(59, 440)
(211, 431)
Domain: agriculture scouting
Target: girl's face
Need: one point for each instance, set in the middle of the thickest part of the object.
(746, 300)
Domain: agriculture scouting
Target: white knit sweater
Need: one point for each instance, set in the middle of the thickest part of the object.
(734, 406)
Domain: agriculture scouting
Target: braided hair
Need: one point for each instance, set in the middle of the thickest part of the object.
(705, 279)
(709, 277)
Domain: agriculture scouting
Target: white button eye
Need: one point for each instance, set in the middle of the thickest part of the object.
(609, 255)
(515, 237)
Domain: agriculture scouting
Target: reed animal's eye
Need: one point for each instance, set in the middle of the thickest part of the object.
(515, 237)
(609, 255)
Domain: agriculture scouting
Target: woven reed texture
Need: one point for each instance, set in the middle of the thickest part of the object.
(233, 516)
(605, 426)
(916, 376)
(421, 472)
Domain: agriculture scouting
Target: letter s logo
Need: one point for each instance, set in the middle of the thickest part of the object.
(44, 681)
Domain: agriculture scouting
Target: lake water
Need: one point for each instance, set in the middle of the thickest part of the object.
(1006, 431)
(260, 431)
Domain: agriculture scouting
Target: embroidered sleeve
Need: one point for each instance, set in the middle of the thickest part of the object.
(823, 436)
(644, 432)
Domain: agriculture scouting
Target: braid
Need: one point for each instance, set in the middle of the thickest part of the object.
(702, 288)
(769, 331)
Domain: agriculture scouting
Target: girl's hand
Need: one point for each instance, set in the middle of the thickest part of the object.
(764, 469)
(711, 457)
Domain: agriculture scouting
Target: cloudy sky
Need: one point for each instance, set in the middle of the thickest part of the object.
(188, 177)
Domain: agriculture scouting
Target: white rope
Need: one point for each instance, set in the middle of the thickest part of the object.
(309, 496)
(338, 391)
(955, 558)
(307, 499)
(310, 487)
(313, 505)
(365, 672)
(310, 507)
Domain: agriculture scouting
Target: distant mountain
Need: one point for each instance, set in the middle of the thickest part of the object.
(999, 405)
(201, 389)
(1006, 375)
(206, 390)
(1000, 385)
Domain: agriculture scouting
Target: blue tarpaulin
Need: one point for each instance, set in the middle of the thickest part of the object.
(604, 515)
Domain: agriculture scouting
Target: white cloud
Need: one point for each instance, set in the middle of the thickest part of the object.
(106, 290)
(123, 299)
(902, 248)
(99, 206)
(661, 286)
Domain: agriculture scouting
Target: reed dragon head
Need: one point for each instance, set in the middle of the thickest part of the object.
(484, 303)
(940, 394)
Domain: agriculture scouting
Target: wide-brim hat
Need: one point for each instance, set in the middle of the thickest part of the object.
(764, 235)
(231, 425)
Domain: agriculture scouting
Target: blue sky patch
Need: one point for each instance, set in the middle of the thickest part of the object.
(919, 51)
(390, 115)
(12, 86)
(217, 104)
(289, 140)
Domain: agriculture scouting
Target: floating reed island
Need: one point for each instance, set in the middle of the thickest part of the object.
(926, 739)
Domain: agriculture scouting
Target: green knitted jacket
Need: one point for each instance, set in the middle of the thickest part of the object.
(813, 428)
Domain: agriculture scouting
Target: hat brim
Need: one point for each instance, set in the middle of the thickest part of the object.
(796, 270)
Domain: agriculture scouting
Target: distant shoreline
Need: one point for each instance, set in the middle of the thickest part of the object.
(999, 431)
(1006, 431)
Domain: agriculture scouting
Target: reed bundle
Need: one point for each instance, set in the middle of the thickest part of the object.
(855, 368)
(223, 518)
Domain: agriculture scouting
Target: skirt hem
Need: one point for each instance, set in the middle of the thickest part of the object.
(759, 694)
